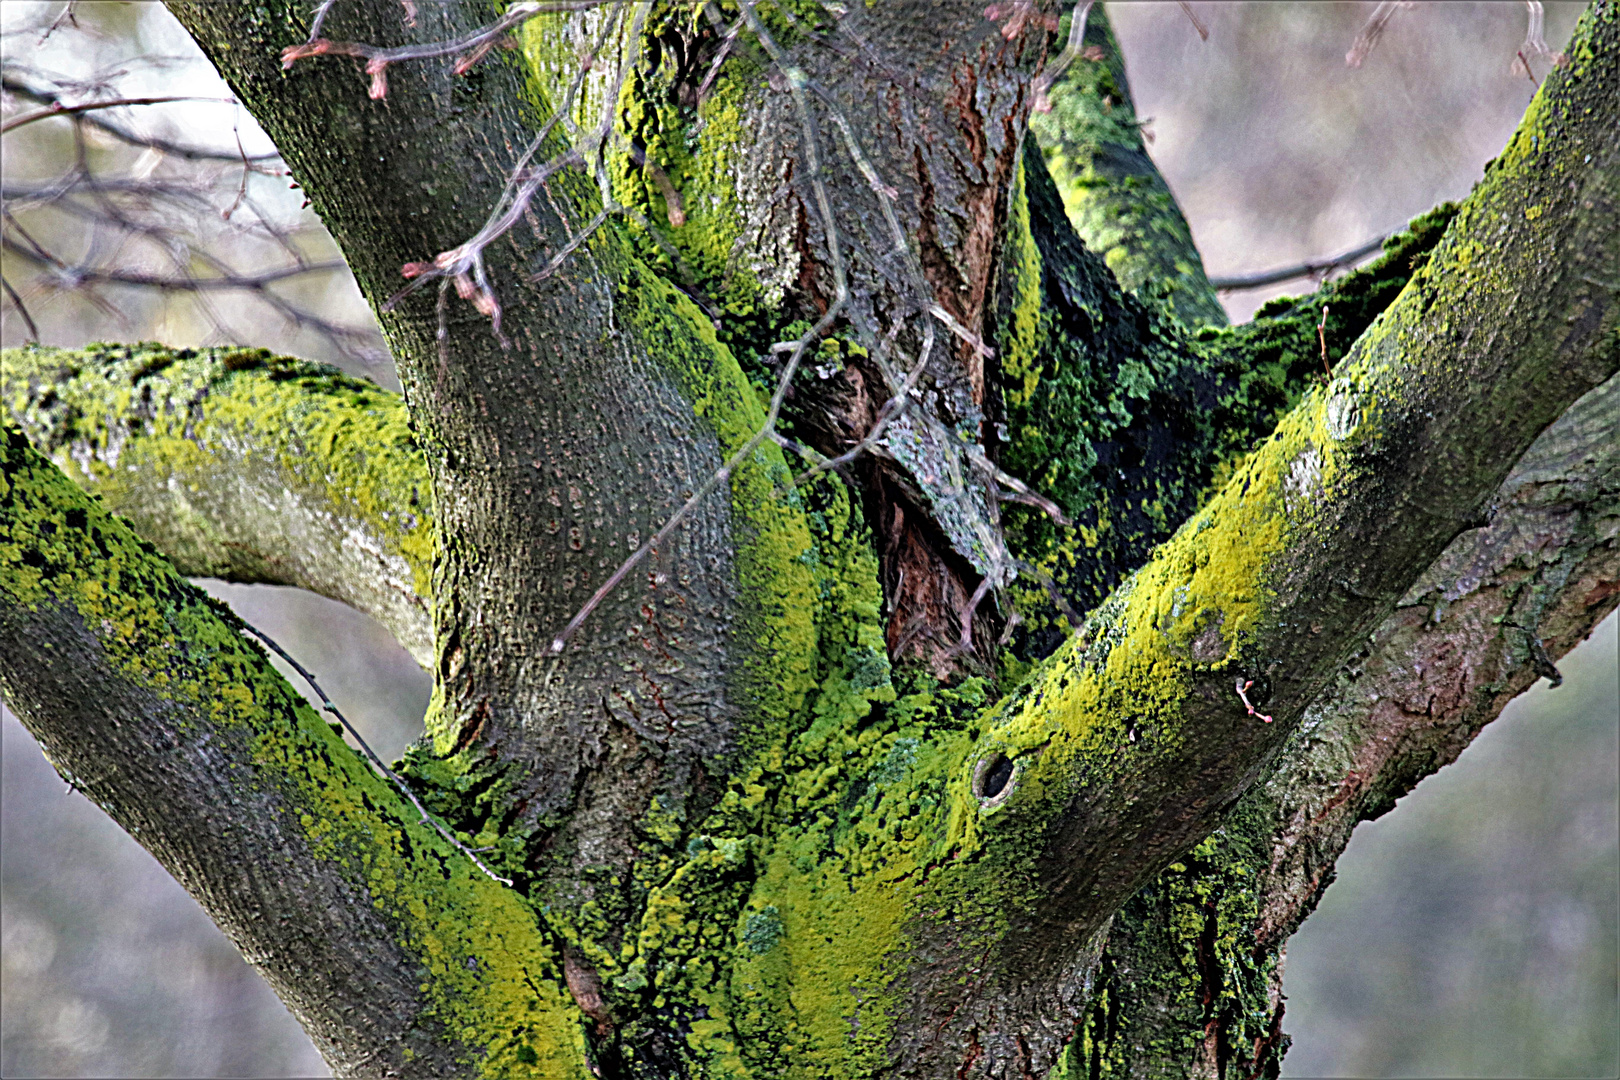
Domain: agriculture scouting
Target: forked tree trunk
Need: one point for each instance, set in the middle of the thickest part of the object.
(851, 775)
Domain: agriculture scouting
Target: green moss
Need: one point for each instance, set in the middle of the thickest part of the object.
(1125, 420)
(488, 975)
(1112, 193)
(128, 420)
(778, 631)
(1184, 975)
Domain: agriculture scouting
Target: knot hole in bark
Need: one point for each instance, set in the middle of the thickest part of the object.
(993, 780)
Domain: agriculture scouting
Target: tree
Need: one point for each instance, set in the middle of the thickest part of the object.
(1019, 737)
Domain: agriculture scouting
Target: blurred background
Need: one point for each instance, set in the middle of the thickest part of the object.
(1471, 932)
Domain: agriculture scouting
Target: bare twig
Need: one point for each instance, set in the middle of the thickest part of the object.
(1315, 268)
(1243, 693)
(154, 211)
(1321, 336)
(965, 642)
(465, 263)
(892, 409)
(322, 10)
(72, 276)
(1019, 492)
(471, 47)
(1372, 31)
(1055, 70)
(1535, 44)
(59, 109)
(180, 150)
(22, 309)
(404, 789)
(719, 58)
(1192, 16)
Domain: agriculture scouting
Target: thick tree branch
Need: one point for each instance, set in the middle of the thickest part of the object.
(394, 951)
(749, 836)
(245, 466)
(1113, 193)
(1132, 742)
(1191, 977)
(1488, 619)
(555, 458)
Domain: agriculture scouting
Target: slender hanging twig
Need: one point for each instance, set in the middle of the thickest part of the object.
(404, 789)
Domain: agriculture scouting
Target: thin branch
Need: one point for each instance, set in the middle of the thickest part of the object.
(464, 263)
(322, 10)
(1372, 31)
(70, 110)
(1192, 16)
(719, 58)
(1018, 491)
(965, 643)
(1321, 336)
(1054, 71)
(472, 47)
(1535, 44)
(22, 309)
(75, 275)
(1316, 268)
(180, 150)
(404, 789)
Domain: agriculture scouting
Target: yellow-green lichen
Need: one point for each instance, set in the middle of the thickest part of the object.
(488, 975)
(143, 422)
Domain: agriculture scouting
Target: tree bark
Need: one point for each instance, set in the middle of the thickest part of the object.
(766, 813)
(244, 466)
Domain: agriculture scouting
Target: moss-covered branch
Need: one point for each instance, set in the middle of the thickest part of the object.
(1112, 192)
(1133, 741)
(1125, 420)
(760, 849)
(245, 466)
(1190, 981)
(398, 956)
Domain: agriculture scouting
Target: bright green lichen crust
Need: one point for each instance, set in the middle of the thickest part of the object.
(1125, 420)
(1112, 193)
(243, 465)
(869, 872)
(179, 727)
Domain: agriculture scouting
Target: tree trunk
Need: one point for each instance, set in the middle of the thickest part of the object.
(837, 781)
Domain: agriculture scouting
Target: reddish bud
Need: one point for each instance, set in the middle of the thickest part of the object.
(465, 63)
(297, 52)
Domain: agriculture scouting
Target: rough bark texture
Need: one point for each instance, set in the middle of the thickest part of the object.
(244, 466)
(766, 815)
(1190, 983)
(394, 952)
